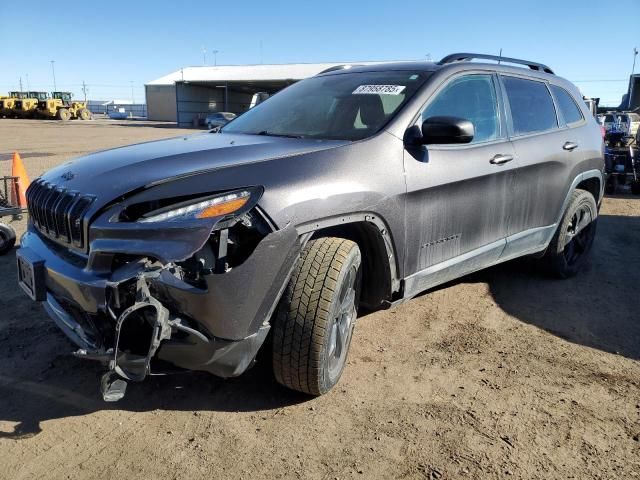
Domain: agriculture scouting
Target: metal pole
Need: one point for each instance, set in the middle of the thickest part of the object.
(633, 70)
(20, 84)
(215, 57)
(53, 71)
(84, 90)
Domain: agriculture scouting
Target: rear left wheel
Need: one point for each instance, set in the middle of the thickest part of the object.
(571, 244)
(316, 316)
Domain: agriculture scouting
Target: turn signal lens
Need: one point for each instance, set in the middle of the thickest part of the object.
(225, 208)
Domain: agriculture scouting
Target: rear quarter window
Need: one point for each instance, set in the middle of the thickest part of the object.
(567, 105)
(531, 105)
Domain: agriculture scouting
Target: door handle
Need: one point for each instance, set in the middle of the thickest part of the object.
(500, 159)
(570, 146)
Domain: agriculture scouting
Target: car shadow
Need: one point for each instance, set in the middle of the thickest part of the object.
(143, 122)
(40, 380)
(598, 308)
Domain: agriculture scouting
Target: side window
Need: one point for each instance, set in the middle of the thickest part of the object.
(567, 106)
(531, 105)
(472, 97)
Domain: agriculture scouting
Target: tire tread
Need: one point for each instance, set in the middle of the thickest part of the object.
(300, 328)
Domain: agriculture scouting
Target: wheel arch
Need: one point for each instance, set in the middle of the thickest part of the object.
(590, 179)
(593, 185)
(380, 266)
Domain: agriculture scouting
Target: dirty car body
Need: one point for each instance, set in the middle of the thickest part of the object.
(138, 286)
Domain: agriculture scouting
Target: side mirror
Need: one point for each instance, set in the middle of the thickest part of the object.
(442, 130)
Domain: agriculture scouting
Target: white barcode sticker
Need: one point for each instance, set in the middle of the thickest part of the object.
(379, 90)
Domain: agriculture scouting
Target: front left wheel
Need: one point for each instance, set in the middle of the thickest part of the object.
(316, 316)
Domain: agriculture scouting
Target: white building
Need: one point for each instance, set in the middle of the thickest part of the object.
(192, 92)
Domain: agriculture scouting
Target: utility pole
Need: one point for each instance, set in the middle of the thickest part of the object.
(20, 84)
(84, 90)
(215, 56)
(53, 71)
(204, 56)
(133, 101)
(631, 82)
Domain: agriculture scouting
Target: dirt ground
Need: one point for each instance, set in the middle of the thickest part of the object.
(502, 374)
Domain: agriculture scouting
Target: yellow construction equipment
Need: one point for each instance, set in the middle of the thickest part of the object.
(26, 107)
(62, 107)
(7, 104)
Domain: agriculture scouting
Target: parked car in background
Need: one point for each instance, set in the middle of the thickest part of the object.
(629, 123)
(354, 189)
(219, 119)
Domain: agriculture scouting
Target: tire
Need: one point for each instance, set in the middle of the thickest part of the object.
(316, 315)
(84, 114)
(64, 115)
(568, 251)
(610, 186)
(7, 238)
(635, 187)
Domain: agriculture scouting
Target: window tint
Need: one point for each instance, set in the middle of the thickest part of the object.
(473, 98)
(531, 105)
(570, 111)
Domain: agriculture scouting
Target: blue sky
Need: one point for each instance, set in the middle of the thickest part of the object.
(115, 45)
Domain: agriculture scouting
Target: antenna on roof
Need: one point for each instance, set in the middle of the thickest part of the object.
(500, 56)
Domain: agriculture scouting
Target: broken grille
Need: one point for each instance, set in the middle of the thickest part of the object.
(58, 213)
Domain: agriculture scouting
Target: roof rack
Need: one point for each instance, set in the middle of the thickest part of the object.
(338, 67)
(465, 57)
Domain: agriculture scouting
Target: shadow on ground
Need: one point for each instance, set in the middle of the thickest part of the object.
(598, 308)
(39, 381)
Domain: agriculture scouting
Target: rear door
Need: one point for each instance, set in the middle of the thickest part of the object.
(458, 195)
(548, 149)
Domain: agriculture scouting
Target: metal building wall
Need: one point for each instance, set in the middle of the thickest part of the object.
(161, 102)
(195, 101)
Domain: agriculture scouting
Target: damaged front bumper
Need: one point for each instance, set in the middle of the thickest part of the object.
(144, 312)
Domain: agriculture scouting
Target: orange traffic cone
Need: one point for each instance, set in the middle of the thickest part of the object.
(20, 185)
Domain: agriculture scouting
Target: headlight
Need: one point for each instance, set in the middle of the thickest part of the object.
(218, 206)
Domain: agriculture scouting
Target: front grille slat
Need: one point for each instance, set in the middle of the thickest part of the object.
(62, 226)
(48, 211)
(58, 213)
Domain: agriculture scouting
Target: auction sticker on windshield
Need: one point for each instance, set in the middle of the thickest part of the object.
(379, 90)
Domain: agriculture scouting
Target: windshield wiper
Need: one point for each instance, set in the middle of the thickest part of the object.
(270, 134)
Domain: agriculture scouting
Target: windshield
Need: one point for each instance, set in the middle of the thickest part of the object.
(345, 106)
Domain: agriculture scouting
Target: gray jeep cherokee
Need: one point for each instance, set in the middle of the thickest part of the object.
(358, 188)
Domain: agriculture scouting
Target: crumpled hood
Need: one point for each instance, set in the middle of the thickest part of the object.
(112, 173)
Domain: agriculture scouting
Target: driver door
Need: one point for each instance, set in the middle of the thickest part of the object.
(457, 208)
